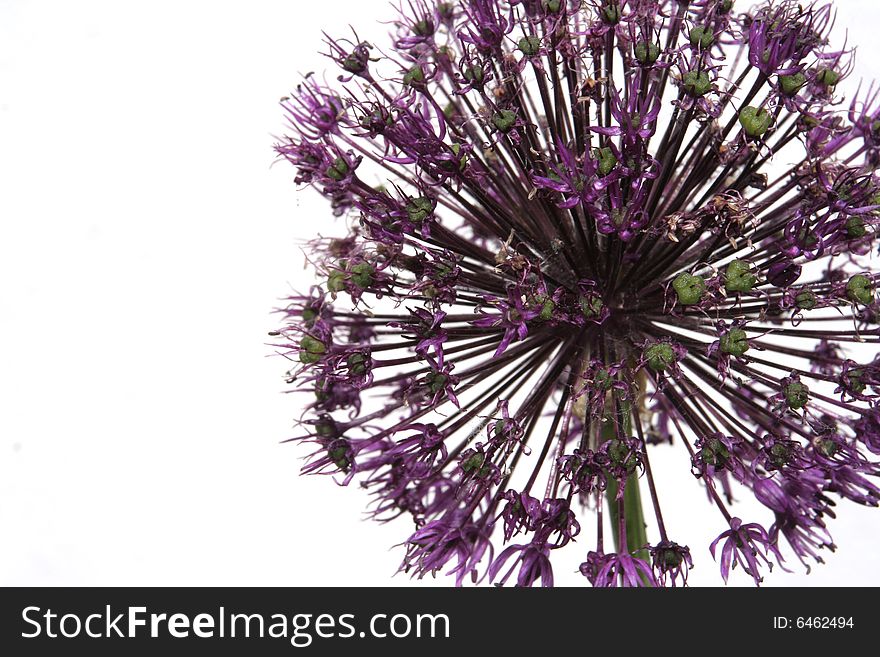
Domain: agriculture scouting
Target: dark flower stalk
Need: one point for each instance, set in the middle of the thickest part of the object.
(578, 231)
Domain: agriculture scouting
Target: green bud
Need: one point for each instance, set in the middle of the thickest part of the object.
(659, 356)
(353, 64)
(322, 389)
(696, 83)
(336, 281)
(734, 342)
(591, 306)
(419, 209)
(462, 163)
(552, 6)
(825, 447)
(725, 6)
(436, 381)
(424, 28)
(326, 429)
(791, 84)
(796, 395)
(808, 122)
(701, 37)
(714, 453)
(362, 274)
(807, 238)
(611, 14)
(473, 462)
(827, 77)
(805, 300)
(689, 288)
(503, 427)
(622, 456)
(739, 277)
(357, 364)
(310, 350)
(529, 45)
(338, 170)
(607, 161)
(646, 52)
(414, 76)
(504, 120)
(855, 227)
(339, 454)
(669, 558)
(755, 121)
(780, 454)
(547, 309)
(860, 289)
(309, 316)
(855, 379)
(603, 380)
(474, 75)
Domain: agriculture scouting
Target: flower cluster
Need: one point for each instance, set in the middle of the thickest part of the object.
(578, 231)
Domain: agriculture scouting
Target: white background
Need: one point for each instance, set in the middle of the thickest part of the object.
(144, 238)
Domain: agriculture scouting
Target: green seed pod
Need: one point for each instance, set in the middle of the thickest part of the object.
(755, 122)
(696, 83)
(547, 308)
(419, 209)
(734, 342)
(336, 281)
(504, 120)
(739, 277)
(607, 161)
(611, 14)
(714, 453)
(701, 37)
(791, 84)
(591, 306)
(357, 364)
(855, 379)
(855, 227)
(339, 453)
(828, 77)
(362, 274)
(805, 300)
(659, 356)
(474, 75)
(338, 170)
(436, 381)
(646, 52)
(310, 350)
(860, 289)
(689, 288)
(796, 395)
(414, 77)
(529, 45)
(473, 462)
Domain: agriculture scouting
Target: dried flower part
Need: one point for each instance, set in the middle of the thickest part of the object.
(578, 232)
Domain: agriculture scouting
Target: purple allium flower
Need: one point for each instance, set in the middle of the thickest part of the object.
(578, 232)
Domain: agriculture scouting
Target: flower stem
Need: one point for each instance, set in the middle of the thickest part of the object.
(636, 536)
(634, 517)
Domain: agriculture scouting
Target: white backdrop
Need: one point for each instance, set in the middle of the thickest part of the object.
(144, 239)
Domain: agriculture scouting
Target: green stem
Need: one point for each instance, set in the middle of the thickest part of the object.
(634, 517)
(636, 534)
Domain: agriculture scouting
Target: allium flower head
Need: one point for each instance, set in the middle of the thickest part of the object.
(577, 232)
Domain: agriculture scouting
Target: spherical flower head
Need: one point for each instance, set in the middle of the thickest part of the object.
(573, 235)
